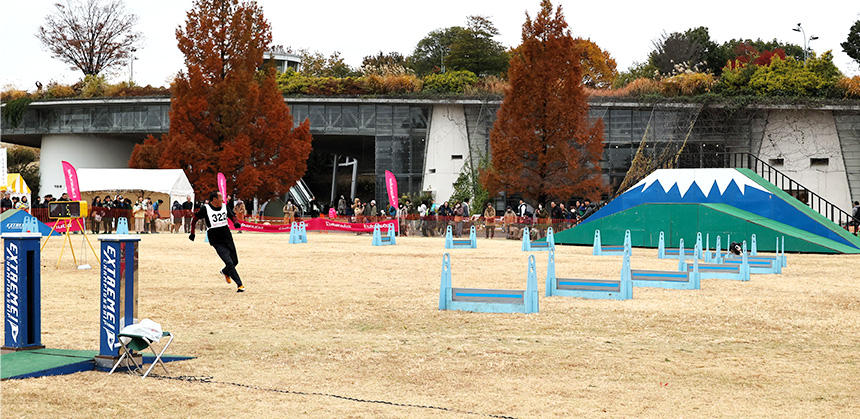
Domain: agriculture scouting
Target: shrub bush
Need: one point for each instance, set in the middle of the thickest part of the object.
(14, 111)
(55, 90)
(391, 84)
(490, 85)
(687, 84)
(851, 86)
(643, 87)
(12, 93)
(93, 86)
(450, 82)
(127, 89)
(783, 77)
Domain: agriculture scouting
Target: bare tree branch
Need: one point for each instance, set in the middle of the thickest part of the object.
(90, 35)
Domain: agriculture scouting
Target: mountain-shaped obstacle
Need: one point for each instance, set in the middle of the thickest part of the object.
(682, 202)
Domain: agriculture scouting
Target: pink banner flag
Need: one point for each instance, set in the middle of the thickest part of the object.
(391, 186)
(222, 186)
(71, 176)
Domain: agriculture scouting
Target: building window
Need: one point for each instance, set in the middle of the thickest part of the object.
(432, 171)
(456, 157)
(820, 161)
(776, 162)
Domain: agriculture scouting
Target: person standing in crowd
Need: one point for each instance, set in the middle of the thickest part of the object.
(156, 207)
(5, 202)
(543, 219)
(458, 220)
(176, 213)
(555, 212)
(373, 212)
(289, 212)
(187, 211)
(401, 219)
(490, 221)
(215, 215)
(46, 201)
(467, 214)
(341, 206)
(107, 215)
(856, 214)
(356, 210)
(23, 204)
(147, 215)
(588, 209)
(96, 215)
(565, 216)
(509, 219)
(523, 209)
(239, 210)
(139, 213)
(422, 214)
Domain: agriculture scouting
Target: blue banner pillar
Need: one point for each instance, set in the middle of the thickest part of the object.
(117, 290)
(22, 291)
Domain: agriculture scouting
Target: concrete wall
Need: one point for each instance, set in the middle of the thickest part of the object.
(799, 136)
(82, 151)
(447, 138)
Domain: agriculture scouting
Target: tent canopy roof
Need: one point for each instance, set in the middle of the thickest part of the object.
(15, 184)
(172, 182)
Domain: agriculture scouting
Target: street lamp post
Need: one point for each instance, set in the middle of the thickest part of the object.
(131, 64)
(806, 41)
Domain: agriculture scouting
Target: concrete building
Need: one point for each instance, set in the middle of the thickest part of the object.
(281, 59)
(427, 142)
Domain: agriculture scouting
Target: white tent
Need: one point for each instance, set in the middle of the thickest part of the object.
(16, 186)
(172, 182)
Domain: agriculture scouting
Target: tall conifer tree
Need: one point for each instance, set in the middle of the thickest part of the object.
(543, 145)
(225, 114)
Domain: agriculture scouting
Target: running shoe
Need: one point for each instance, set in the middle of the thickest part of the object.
(241, 288)
(226, 277)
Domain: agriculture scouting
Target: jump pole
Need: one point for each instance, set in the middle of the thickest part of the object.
(118, 292)
(22, 291)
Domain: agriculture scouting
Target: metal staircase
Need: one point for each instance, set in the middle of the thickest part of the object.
(772, 175)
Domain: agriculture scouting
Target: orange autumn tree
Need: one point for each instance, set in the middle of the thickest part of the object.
(542, 143)
(598, 67)
(225, 114)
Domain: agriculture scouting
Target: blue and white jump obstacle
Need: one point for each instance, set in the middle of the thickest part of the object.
(30, 225)
(298, 233)
(122, 227)
(758, 264)
(761, 264)
(671, 253)
(738, 272)
(488, 300)
(546, 246)
(380, 240)
(598, 249)
(611, 289)
(678, 280)
(452, 243)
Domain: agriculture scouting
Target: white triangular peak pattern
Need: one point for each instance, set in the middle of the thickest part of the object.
(705, 178)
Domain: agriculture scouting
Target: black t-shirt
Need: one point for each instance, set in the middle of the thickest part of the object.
(217, 234)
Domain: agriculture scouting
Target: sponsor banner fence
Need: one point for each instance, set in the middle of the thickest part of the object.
(317, 224)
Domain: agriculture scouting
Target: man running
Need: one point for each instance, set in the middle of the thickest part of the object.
(215, 215)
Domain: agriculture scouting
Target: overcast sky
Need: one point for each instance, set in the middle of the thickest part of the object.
(363, 27)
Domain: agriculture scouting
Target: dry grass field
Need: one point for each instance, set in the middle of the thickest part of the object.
(340, 317)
